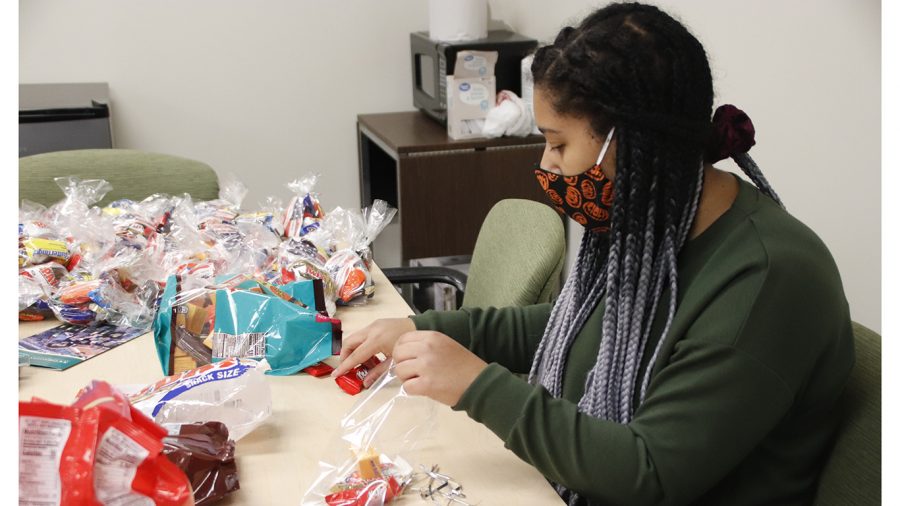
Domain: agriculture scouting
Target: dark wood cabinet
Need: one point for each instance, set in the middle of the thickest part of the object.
(442, 188)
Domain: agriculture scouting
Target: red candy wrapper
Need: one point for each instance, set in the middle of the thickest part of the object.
(100, 450)
(319, 370)
(352, 381)
(380, 491)
(52, 438)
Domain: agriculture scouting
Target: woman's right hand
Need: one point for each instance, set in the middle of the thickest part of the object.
(378, 336)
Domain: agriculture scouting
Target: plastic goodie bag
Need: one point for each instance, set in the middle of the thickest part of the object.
(244, 318)
(233, 391)
(300, 259)
(351, 232)
(303, 212)
(370, 460)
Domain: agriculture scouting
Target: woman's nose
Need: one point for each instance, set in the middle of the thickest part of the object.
(549, 160)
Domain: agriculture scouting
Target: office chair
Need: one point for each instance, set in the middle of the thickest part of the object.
(518, 259)
(852, 473)
(132, 174)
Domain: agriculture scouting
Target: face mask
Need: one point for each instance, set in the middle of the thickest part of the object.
(586, 198)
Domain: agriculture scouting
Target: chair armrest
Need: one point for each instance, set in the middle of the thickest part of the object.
(424, 274)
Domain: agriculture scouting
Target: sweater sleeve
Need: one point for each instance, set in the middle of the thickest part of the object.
(508, 336)
(688, 434)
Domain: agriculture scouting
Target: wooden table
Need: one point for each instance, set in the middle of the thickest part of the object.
(279, 460)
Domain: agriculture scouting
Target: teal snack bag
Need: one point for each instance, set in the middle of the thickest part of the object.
(242, 318)
(308, 292)
(289, 337)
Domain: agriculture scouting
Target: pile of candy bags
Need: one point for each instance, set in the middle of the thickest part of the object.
(87, 264)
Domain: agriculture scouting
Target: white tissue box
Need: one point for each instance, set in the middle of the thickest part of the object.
(471, 93)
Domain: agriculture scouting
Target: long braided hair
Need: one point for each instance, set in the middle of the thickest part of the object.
(634, 67)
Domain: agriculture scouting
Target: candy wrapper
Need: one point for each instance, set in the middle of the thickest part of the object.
(98, 451)
(239, 317)
(233, 391)
(370, 459)
(206, 455)
(303, 212)
(39, 282)
(304, 259)
(352, 381)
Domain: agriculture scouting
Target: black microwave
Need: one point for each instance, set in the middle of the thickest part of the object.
(433, 61)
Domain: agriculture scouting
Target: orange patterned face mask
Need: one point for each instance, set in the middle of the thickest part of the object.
(586, 198)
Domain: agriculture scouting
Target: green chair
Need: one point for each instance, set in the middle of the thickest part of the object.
(852, 473)
(518, 259)
(133, 174)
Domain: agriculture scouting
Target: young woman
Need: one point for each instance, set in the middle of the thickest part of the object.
(698, 347)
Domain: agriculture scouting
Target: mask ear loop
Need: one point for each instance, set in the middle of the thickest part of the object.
(609, 137)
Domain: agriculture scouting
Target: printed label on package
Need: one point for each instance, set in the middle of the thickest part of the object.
(41, 443)
(246, 345)
(118, 457)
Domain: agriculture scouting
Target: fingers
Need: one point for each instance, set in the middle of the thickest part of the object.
(359, 355)
(406, 371)
(408, 347)
(415, 386)
(375, 373)
(351, 342)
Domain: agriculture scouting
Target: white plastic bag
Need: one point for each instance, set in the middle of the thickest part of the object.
(233, 391)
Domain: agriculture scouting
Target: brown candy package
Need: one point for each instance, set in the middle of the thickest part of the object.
(192, 323)
(206, 455)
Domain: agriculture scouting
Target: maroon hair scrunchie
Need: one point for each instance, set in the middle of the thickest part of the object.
(732, 133)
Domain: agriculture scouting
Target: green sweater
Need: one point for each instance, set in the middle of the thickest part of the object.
(741, 404)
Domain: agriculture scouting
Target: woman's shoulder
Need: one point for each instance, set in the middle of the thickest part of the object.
(790, 246)
(763, 247)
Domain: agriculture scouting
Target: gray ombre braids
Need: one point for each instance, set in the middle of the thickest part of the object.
(634, 67)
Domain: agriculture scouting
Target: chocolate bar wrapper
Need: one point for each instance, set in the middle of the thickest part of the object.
(206, 455)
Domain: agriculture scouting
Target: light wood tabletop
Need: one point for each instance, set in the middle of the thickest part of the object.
(278, 461)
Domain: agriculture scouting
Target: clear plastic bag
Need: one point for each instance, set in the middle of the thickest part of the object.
(349, 233)
(371, 459)
(377, 218)
(232, 190)
(233, 391)
(80, 195)
(304, 259)
(304, 212)
(270, 214)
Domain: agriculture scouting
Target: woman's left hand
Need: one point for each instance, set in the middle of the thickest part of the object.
(434, 365)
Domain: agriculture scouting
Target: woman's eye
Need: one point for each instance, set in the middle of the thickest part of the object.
(558, 147)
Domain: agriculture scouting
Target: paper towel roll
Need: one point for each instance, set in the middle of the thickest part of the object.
(455, 20)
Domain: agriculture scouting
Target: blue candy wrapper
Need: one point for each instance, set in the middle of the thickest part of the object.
(243, 318)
